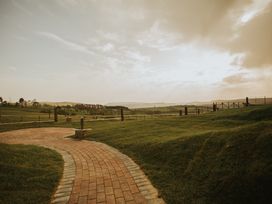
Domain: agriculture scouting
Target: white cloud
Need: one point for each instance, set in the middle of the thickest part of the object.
(22, 8)
(68, 44)
(107, 47)
(12, 68)
(157, 38)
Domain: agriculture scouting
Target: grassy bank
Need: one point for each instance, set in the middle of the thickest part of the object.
(215, 158)
(28, 174)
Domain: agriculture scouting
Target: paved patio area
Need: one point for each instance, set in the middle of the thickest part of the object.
(93, 172)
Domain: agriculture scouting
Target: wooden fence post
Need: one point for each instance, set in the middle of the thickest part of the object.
(180, 113)
(56, 114)
(185, 110)
(247, 103)
(122, 115)
(82, 123)
(214, 107)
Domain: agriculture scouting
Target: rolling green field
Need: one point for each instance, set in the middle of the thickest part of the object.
(222, 157)
(28, 174)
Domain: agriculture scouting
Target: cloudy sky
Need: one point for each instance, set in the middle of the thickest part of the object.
(99, 51)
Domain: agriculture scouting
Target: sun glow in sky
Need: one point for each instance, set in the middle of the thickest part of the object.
(143, 51)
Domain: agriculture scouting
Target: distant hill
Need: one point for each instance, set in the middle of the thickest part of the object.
(64, 103)
(135, 105)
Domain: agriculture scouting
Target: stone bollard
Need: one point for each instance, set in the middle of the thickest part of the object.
(81, 133)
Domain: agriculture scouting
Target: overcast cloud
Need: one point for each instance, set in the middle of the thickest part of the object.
(135, 50)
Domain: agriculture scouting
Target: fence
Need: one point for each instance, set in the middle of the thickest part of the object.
(28, 117)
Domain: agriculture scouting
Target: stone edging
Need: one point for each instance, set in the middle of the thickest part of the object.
(63, 192)
(146, 188)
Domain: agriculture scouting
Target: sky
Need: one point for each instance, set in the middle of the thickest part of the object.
(101, 51)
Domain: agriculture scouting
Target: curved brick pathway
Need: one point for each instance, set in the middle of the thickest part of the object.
(93, 172)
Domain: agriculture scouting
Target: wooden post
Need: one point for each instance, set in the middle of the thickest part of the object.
(247, 103)
(222, 104)
(214, 107)
(82, 123)
(56, 114)
(185, 110)
(198, 111)
(180, 113)
(233, 105)
(122, 115)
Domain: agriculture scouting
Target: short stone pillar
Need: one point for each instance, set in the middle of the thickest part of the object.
(186, 110)
(80, 133)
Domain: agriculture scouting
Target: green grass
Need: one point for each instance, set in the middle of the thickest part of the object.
(18, 114)
(223, 157)
(28, 174)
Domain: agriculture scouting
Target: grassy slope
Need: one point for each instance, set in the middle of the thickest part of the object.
(215, 158)
(28, 174)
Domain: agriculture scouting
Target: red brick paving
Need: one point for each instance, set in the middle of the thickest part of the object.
(95, 172)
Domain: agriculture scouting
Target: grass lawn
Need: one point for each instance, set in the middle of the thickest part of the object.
(28, 174)
(222, 157)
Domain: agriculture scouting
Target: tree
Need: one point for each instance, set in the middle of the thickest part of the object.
(1, 99)
(35, 104)
(21, 101)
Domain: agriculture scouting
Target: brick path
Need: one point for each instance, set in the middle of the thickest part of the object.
(93, 172)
